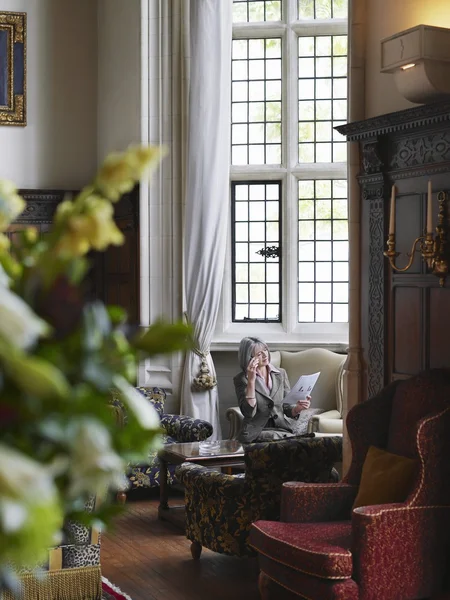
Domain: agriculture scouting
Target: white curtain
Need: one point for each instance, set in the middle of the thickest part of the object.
(207, 193)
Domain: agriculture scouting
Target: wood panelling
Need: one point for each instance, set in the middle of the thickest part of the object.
(439, 327)
(116, 271)
(407, 325)
(409, 210)
(405, 317)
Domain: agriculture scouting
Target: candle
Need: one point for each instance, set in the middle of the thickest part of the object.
(392, 216)
(429, 210)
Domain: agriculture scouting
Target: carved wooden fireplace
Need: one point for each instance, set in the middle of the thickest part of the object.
(405, 316)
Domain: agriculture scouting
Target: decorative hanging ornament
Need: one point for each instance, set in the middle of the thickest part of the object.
(204, 380)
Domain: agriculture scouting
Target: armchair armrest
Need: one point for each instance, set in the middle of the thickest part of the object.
(235, 418)
(208, 485)
(410, 540)
(329, 421)
(311, 502)
(186, 429)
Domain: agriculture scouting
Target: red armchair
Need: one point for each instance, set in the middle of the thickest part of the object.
(323, 550)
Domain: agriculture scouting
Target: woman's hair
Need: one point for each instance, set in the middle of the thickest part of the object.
(246, 348)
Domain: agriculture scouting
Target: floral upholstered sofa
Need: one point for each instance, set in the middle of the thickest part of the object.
(177, 428)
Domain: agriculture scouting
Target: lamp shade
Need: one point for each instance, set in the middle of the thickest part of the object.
(419, 59)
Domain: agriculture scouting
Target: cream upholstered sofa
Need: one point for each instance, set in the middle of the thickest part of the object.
(327, 394)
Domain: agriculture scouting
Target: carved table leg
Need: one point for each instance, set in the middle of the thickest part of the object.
(196, 550)
(163, 487)
(264, 585)
(121, 497)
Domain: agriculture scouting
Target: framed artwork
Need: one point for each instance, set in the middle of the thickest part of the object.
(13, 69)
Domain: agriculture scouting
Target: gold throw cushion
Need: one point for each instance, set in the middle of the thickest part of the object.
(385, 478)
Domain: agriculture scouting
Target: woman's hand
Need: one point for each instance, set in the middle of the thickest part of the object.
(251, 369)
(302, 405)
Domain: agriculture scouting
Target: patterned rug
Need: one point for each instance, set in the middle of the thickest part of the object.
(112, 592)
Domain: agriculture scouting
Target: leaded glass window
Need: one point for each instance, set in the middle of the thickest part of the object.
(289, 240)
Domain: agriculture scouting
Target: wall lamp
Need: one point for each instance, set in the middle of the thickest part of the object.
(434, 248)
(419, 59)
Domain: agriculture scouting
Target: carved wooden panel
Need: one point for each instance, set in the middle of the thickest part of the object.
(421, 150)
(376, 320)
(405, 316)
(41, 205)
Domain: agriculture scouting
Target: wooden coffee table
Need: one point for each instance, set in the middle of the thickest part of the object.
(230, 453)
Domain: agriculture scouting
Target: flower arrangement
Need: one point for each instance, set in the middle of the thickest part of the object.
(60, 357)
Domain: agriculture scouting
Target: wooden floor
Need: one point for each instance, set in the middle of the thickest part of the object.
(151, 560)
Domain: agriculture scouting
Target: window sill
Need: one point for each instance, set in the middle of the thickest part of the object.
(292, 346)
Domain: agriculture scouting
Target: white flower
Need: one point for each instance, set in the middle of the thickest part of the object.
(19, 325)
(23, 482)
(94, 466)
(4, 278)
(30, 513)
(13, 515)
(144, 412)
(20, 473)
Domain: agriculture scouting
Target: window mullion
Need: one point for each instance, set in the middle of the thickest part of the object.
(290, 252)
(290, 11)
(291, 160)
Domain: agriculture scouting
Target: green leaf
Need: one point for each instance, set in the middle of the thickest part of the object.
(97, 325)
(117, 314)
(98, 373)
(163, 338)
(77, 270)
(37, 377)
(11, 267)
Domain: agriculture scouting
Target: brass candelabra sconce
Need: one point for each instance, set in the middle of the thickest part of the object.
(433, 247)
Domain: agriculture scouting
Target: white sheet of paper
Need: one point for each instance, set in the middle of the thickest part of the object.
(302, 388)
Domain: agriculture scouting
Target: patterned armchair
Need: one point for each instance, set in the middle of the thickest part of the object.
(221, 508)
(177, 428)
(323, 549)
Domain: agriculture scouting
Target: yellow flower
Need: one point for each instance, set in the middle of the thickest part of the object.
(97, 224)
(144, 158)
(31, 235)
(72, 244)
(11, 204)
(63, 211)
(94, 228)
(121, 171)
(115, 177)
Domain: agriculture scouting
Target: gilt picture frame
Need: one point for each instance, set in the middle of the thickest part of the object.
(13, 68)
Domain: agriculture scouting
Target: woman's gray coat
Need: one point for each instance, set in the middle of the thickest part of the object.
(268, 404)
